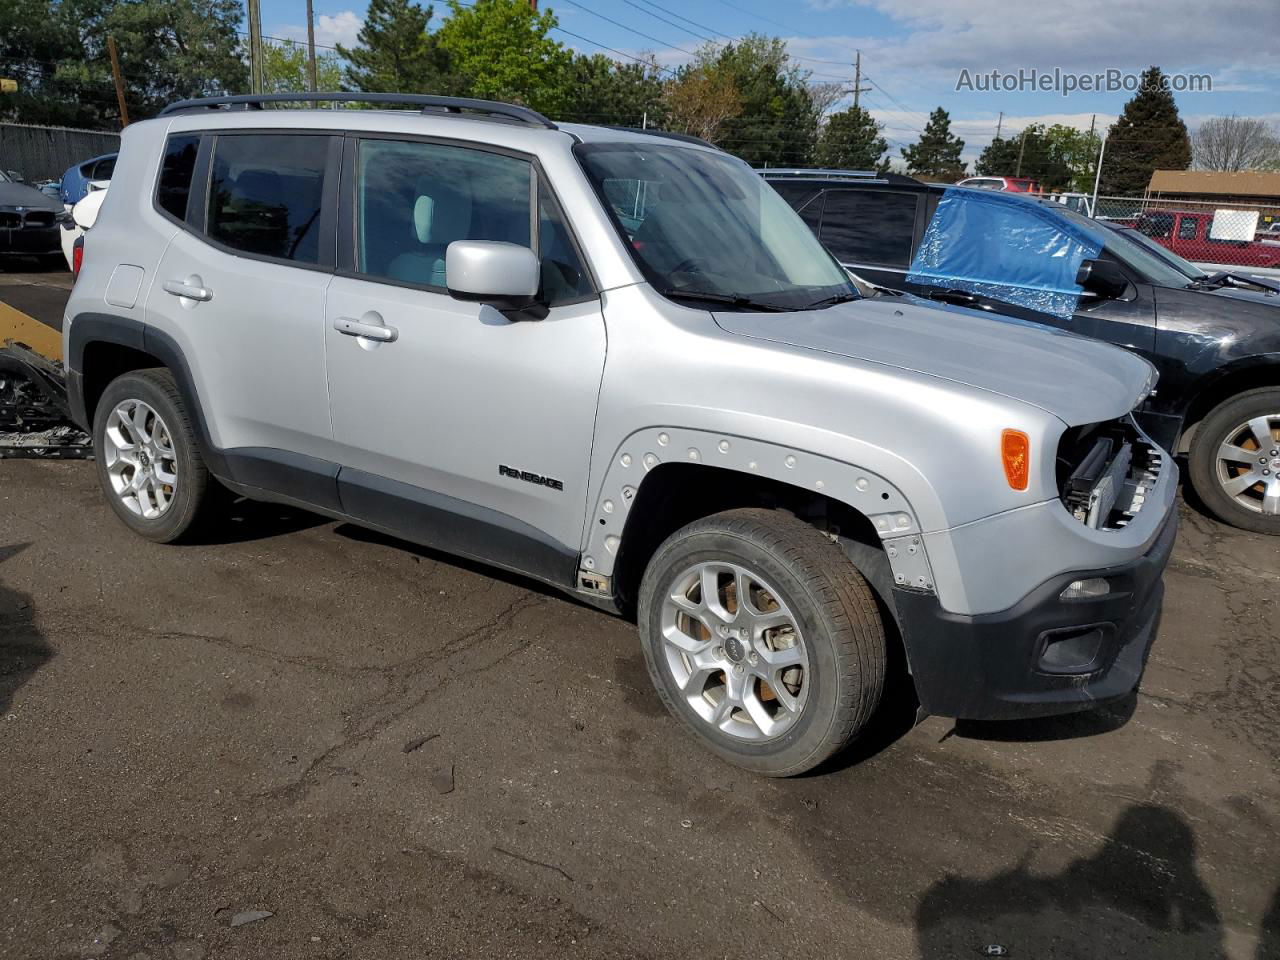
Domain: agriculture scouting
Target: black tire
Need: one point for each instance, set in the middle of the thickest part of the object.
(834, 609)
(192, 491)
(1217, 428)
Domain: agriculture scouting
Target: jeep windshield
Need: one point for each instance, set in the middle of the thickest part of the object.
(707, 231)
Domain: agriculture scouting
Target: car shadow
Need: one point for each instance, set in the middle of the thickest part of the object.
(1140, 896)
(23, 648)
(1067, 726)
(365, 535)
(240, 520)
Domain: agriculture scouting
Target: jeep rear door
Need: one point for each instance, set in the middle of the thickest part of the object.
(462, 428)
(241, 287)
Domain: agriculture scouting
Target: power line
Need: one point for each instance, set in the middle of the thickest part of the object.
(618, 23)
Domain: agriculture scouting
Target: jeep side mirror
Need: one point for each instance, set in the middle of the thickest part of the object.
(1102, 277)
(504, 275)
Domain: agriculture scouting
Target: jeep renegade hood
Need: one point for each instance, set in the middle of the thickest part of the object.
(1077, 380)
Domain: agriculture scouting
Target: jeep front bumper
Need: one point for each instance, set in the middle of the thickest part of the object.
(1044, 654)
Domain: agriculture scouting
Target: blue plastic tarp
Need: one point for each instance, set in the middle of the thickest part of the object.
(1005, 247)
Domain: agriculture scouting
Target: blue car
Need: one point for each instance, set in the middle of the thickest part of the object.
(75, 182)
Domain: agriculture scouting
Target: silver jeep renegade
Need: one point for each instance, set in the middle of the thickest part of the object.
(617, 362)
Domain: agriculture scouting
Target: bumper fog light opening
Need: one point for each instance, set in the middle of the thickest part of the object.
(1089, 589)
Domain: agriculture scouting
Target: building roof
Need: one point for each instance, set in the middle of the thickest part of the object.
(1249, 183)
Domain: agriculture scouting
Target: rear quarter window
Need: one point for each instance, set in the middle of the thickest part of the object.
(176, 168)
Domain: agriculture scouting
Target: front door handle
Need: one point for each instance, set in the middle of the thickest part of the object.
(958, 297)
(370, 331)
(180, 288)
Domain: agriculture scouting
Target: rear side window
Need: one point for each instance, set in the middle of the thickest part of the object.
(104, 168)
(176, 168)
(1156, 224)
(1187, 228)
(265, 194)
(873, 227)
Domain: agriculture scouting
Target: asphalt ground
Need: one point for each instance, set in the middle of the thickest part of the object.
(400, 755)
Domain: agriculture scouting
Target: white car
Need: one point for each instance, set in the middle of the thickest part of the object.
(83, 216)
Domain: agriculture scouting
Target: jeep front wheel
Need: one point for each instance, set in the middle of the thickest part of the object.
(762, 637)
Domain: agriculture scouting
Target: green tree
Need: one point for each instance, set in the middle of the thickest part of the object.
(500, 50)
(778, 119)
(284, 69)
(1148, 135)
(396, 53)
(169, 50)
(851, 140)
(620, 94)
(1045, 154)
(937, 153)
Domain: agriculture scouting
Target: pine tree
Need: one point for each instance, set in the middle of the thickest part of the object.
(396, 54)
(851, 140)
(1148, 135)
(937, 153)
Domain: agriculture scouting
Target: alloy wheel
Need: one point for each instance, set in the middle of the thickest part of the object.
(1248, 464)
(735, 651)
(140, 460)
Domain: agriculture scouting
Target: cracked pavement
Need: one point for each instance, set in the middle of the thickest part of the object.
(398, 754)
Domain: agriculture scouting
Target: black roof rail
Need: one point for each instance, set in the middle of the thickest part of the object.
(491, 109)
(820, 173)
(667, 134)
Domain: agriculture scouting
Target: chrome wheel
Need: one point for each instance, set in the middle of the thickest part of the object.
(735, 651)
(141, 464)
(1248, 464)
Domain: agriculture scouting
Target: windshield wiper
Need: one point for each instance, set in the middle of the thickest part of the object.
(1225, 278)
(833, 300)
(728, 299)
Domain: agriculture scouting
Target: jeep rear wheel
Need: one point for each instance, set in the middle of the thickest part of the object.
(149, 465)
(1235, 461)
(763, 638)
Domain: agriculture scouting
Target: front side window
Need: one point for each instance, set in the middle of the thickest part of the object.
(265, 194)
(414, 199)
(873, 227)
(1187, 228)
(176, 169)
(104, 168)
(1156, 224)
(704, 227)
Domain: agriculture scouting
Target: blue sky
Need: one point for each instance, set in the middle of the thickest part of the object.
(913, 52)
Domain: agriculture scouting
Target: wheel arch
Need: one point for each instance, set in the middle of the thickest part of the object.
(1248, 373)
(102, 347)
(662, 479)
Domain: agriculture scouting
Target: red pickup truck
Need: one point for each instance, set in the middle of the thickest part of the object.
(1187, 234)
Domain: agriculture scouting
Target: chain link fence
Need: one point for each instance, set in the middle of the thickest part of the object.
(1208, 233)
(44, 153)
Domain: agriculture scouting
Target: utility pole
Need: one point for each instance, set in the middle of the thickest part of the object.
(858, 88)
(255, 46)
(999, 124)
(311, 49)
(1097, 178)
(119, 79)
(1022, 145)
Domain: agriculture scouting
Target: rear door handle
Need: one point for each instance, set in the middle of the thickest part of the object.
(180, 288)
(370, 331)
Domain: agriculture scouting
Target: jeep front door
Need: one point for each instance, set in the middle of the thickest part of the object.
(457, 426)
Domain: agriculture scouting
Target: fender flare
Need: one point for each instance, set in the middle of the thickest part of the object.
(863, 490)
(89, 328)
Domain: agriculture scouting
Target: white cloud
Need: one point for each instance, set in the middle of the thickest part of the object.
(330, 30)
